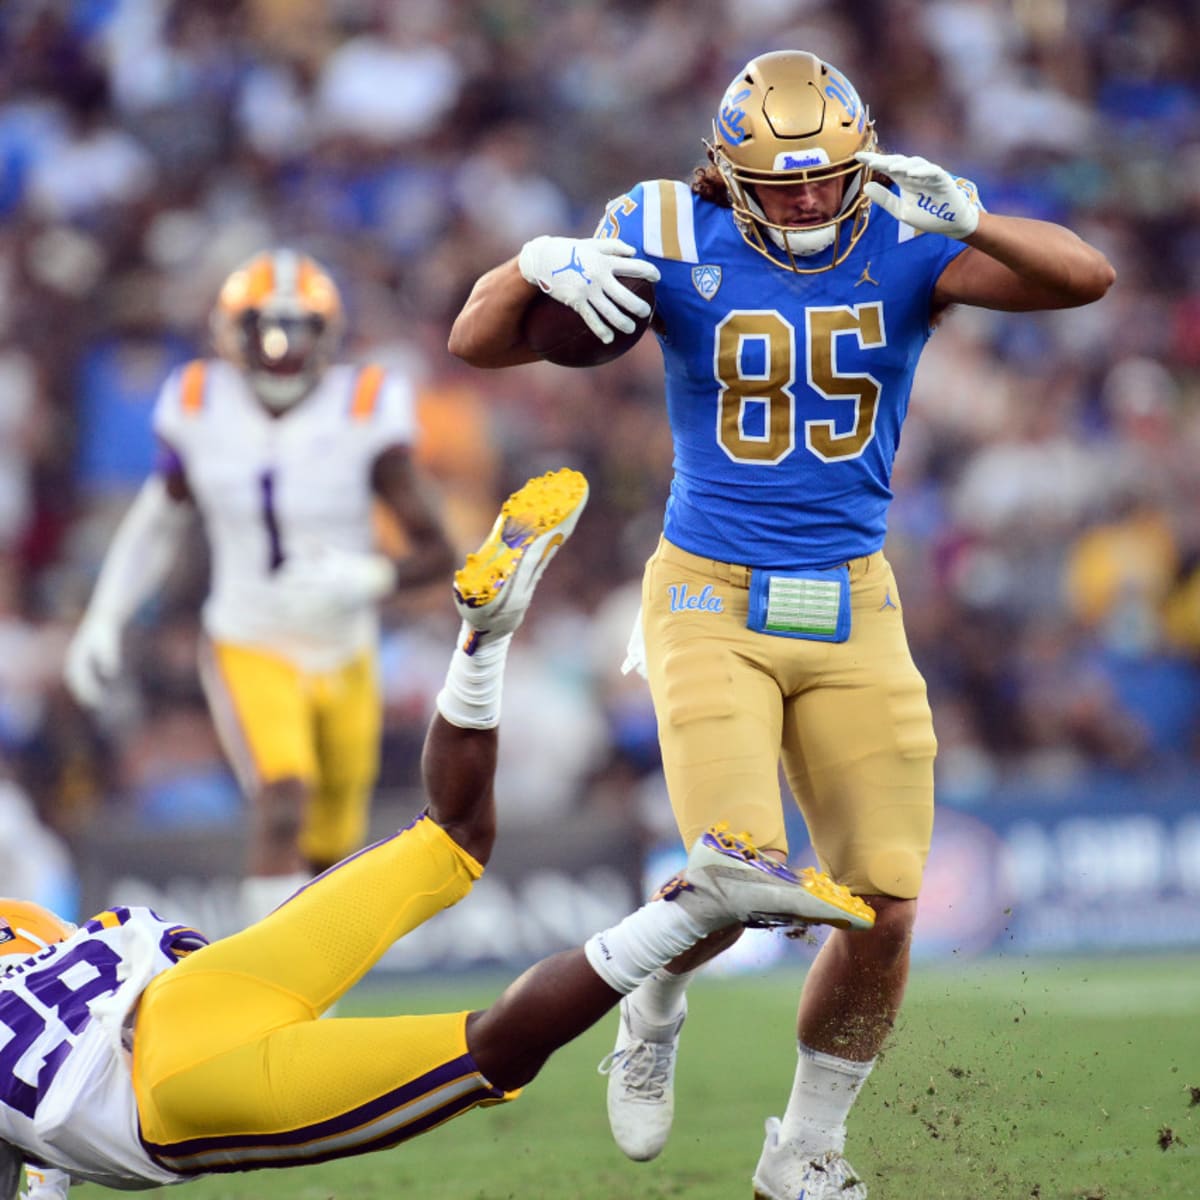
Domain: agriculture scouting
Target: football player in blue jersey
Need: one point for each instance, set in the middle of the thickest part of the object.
(797, 278)
(135, 1053)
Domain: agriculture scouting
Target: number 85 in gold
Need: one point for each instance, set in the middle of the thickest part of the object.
(772, 386)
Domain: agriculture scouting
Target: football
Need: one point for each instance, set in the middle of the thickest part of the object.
(558, 334)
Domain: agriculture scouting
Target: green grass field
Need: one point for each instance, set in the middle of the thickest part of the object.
(1016, 1080)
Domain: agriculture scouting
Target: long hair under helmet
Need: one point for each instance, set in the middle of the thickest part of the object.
(787, 118)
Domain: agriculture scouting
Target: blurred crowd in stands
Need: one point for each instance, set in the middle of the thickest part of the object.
(1046, 532)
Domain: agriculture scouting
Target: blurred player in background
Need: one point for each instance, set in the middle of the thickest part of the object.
(798, 279)
(147, 1056)
(284, 454)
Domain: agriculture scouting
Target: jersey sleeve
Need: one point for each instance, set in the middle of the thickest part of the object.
(166, 414)
(935, 250)
(939, 252)
(384, 404)
(657, 218)
(624, 217)
(182, 392)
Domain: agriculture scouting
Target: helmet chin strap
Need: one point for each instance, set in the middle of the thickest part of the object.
(804, 242)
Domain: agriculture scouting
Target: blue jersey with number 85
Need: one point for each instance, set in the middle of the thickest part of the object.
(785, 392)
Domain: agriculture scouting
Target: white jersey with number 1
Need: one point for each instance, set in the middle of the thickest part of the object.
(272, 486)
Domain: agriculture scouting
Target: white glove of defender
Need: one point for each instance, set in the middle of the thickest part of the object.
(93, 659)
(45, 1183)
(326, 581)
(930, 197)
(584, 274)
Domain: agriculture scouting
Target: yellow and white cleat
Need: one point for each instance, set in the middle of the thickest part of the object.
(493, 588)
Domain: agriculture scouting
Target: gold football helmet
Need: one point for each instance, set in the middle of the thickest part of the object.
(279, 319)
(790, 118)
(26, 928)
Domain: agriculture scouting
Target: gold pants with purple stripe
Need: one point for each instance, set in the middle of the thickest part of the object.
(232, 1068)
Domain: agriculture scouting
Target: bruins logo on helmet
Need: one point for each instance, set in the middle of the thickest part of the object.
(279, 318)
(788, 118)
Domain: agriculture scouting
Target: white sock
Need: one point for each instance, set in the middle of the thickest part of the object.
(259, 895)
(659, 999)
(470, 697)
(644, 941)
(823, 1093)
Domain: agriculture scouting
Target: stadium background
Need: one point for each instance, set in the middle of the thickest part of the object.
(1046, 531)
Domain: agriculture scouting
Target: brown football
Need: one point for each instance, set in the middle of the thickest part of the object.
(558, 334)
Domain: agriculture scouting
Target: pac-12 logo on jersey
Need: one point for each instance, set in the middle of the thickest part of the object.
(706, 279)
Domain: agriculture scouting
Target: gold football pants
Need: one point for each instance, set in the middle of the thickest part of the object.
(232, 1068)
(850, 721)
(277, 721)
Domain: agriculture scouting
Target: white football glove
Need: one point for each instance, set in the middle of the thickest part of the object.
(930, 197)
(326, 581)
(584, 274)
(93, 659)
(635, 649)
(45, 1183)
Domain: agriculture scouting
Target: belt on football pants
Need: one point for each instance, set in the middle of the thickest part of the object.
(738, 575)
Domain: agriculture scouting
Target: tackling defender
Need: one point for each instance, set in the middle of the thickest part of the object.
(284, 455)
(140, 1055)
(798, 278)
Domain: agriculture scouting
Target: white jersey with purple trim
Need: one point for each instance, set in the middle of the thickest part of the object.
(268, 487)
(66, 1092)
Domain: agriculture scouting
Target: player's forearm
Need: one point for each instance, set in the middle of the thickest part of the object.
(427, 561)
(487, 332)
(141, 554)
(1058, 267)
(408, 497)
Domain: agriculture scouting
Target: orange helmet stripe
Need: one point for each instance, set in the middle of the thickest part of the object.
(260, 280)
(317, 289)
